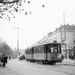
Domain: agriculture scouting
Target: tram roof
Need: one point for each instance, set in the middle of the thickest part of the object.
(44, 44)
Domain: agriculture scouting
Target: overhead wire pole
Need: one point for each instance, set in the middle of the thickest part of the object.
(64, 33)
(18, 40)
(64, 17)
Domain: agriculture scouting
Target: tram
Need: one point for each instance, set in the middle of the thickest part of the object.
(45, 53)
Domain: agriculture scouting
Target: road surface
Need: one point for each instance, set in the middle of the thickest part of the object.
(17, 67)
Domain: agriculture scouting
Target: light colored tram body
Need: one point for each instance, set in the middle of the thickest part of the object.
(46, 53)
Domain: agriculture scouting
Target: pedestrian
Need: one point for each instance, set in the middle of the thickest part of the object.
(1, 59)
(9, 57)
(4, 60)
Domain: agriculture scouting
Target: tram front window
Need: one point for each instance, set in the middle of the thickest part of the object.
(55, 49)
(51, 49)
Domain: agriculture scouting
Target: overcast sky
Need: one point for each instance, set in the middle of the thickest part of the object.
(41, 21)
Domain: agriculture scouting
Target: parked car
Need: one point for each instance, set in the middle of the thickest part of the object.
(21, 57)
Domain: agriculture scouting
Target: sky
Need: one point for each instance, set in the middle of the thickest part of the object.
(42, 20)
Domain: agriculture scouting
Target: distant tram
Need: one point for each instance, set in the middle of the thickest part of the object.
(46, 53)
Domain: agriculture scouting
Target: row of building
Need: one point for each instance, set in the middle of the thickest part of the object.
(65, 35)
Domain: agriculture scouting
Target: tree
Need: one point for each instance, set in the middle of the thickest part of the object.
(6, 50)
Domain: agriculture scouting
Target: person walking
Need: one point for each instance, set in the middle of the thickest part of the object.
(4, 60)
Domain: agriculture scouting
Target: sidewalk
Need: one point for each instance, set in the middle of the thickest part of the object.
(68, 62)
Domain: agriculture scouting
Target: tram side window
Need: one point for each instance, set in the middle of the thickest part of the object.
(29, 51)
(49, 49)
(34, 50)
(42, 49)
(26, 52)
(39, 49)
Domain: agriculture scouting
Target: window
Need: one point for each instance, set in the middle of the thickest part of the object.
(55, 49)
(73, 41)
(51, 49)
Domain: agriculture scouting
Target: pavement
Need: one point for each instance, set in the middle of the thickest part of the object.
(68, 62)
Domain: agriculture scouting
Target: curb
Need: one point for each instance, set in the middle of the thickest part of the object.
(68, 64)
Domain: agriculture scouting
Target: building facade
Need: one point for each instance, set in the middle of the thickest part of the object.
(65, 35)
